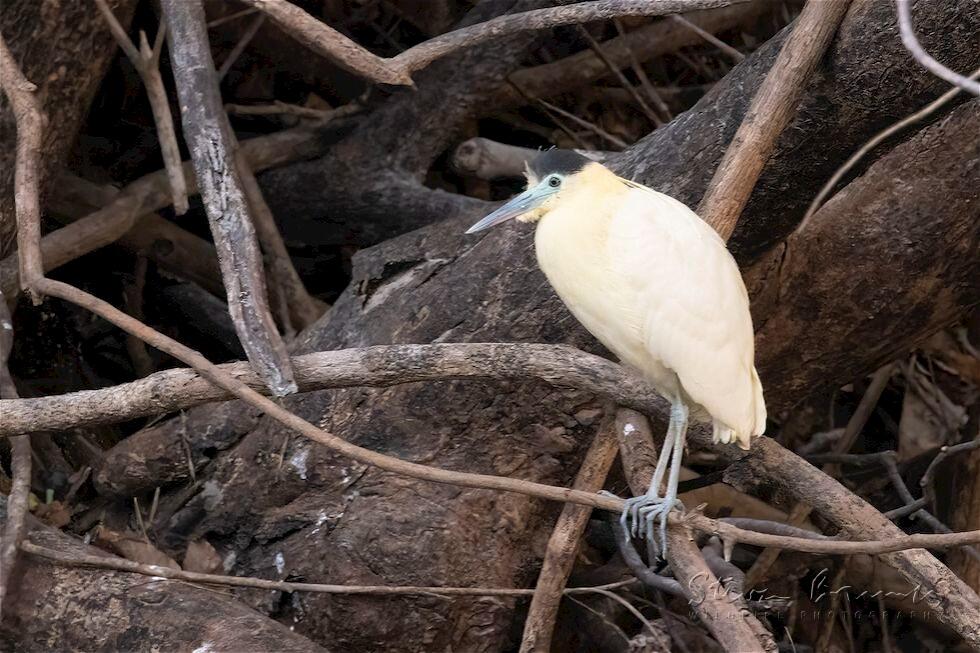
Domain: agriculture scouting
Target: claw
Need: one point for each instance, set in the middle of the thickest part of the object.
(646, 513)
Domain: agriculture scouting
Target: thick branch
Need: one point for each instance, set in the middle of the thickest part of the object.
(698, 583)
(379, 366)
(212, 148)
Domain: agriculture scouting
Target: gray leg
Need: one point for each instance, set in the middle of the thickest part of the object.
(660, 510)
(630, 519)
(650, 507)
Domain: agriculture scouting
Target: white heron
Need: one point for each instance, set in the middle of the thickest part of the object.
(656, 285)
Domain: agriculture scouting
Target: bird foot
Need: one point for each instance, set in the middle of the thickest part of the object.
(641, 514)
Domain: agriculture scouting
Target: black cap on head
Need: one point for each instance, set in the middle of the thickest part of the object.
(562, 162)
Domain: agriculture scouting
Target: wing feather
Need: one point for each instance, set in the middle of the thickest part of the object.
(692, 304)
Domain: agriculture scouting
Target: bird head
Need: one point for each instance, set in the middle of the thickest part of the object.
(550, 177)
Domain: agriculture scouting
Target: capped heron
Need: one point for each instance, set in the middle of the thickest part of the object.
(656, 285)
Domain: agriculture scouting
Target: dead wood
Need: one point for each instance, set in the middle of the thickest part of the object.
(51, 609)
(966, 514)
(118, 215)
(14, 527)
(330, 43)
(213, 153)
(643, 44)
(840, 110)
(279, 461)
(176, 250)
(866, 82)
(564, 543)
(146, 61)
(771, 110)
(67, 70)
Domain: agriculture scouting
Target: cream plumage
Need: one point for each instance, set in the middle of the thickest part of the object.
(656, 285)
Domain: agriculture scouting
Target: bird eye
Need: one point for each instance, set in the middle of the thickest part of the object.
(554, 182)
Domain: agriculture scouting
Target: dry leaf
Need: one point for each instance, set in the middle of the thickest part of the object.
(55, 513)
(134, 548)
(202, 557)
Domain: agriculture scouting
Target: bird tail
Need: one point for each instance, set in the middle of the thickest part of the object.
(760, 404)
(726, 435)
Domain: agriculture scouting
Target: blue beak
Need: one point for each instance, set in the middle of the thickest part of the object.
(523, 203)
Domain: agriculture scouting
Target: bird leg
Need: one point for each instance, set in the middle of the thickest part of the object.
(652, 507)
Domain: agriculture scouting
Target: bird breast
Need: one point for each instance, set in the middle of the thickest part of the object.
(572, 244)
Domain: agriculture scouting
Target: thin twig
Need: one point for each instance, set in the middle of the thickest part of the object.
(772, 108)
(134, 204)
(888, 459)
(30, 120)
(872, 143)
(146, 62)
(945, 452)
(279, 108)
(855, 425)
(230, 17)
(615, 140)
(119, 564)
(20, 465)
(912, 44)
(641, 75)
(243, 42)
(563, 544)
(301, 308)
(735, 55)
(618, 74)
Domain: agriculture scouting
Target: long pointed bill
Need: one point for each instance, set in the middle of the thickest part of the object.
(523, 203)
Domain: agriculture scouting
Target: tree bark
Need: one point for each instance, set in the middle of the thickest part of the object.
(56, 608)
(64, 49)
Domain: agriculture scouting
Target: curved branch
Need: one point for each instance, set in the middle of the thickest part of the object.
(919, 53)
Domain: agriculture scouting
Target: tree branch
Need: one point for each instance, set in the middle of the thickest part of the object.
(560, 555)
(30, 121)
(118, 215)
(146, 61)
(378, 366)
(20, 465)
(772, 108)
(698, 583)
(907, 31)
(330, 43)
(212, 148)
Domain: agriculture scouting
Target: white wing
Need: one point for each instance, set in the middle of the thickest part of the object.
(692, 306)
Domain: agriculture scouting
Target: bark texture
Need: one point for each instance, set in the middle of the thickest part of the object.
(56, 608)
(64, 48)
